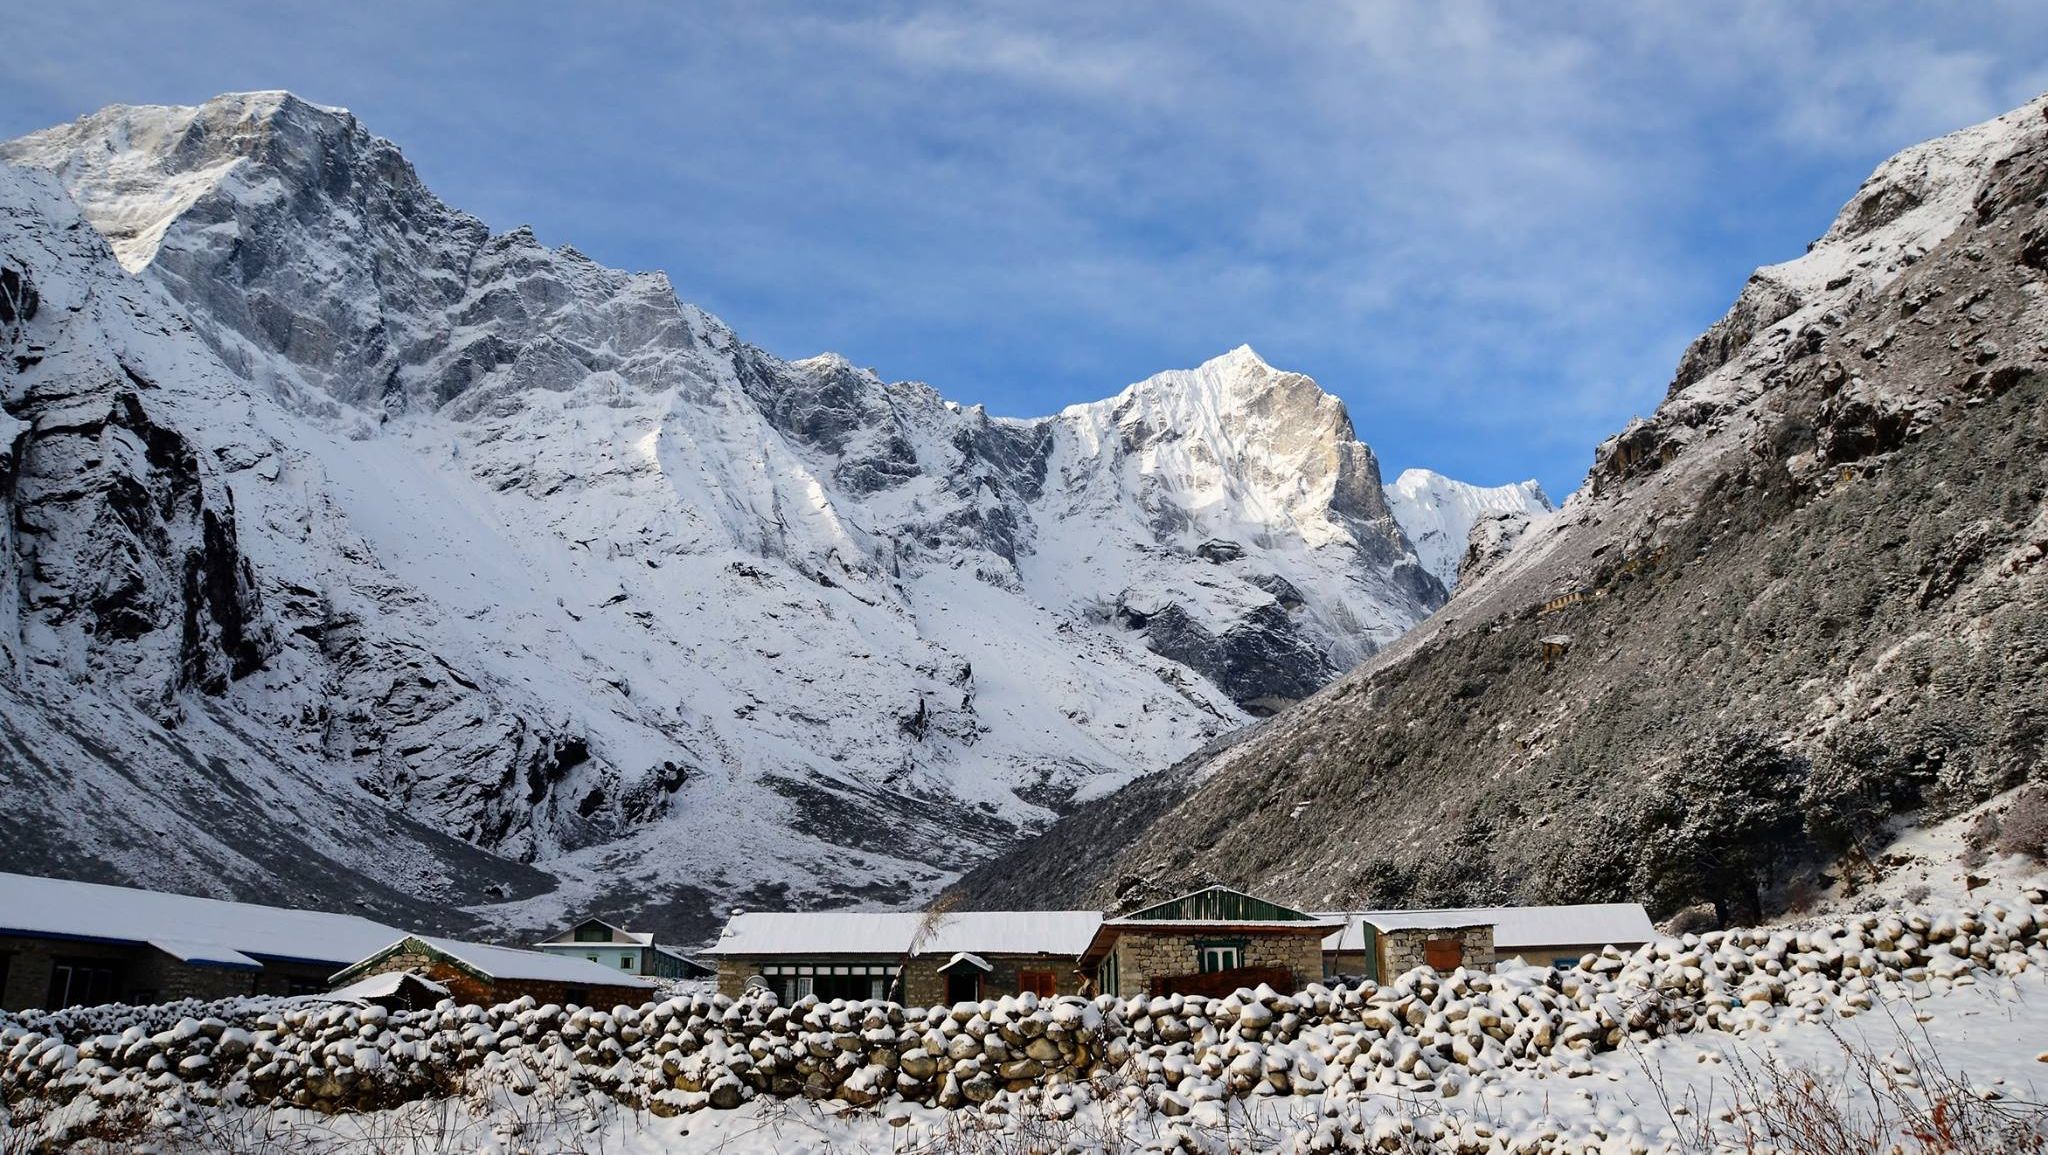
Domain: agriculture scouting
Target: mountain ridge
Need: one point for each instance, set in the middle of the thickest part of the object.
(547, 562)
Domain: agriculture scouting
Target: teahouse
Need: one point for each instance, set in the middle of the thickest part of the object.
(1376, 943)
(923, 959)
(631, 951)
(1212, 941)
(485, 975)
(65, 943)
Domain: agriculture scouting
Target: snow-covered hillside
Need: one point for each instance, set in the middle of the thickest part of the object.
(1439, 515)
(324, 496)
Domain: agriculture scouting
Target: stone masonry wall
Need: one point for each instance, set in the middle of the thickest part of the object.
(1143, 955)
(689, 1054)
(144, 972)
(1403, 950)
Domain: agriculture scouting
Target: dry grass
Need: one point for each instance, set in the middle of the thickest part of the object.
(1904, 1102)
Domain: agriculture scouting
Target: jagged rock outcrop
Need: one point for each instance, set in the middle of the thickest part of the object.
(1492, 537)
(1799, 604)
(483, 539)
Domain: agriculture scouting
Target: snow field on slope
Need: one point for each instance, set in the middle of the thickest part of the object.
(1598, 1057)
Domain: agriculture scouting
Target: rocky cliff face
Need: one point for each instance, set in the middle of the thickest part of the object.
(417, 544)
(1801, 604)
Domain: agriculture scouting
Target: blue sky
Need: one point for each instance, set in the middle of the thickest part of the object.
(1490, 228)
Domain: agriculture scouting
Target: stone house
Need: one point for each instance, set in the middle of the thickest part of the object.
(920, 959)
(65, 943)
(1210, 942)
(1376, 944)
(486, 975)
(632, 952)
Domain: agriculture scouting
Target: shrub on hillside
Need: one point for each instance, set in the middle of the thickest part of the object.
(2023, 828)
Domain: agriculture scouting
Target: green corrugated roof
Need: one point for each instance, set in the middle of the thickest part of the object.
(1219, 904)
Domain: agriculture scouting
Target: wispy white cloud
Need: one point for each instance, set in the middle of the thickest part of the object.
(1490, 226)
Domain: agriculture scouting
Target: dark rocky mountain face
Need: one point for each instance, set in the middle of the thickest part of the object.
(1805, 599)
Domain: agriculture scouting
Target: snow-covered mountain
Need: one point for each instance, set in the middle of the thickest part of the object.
(359, 551)
(1800, 608)
(1439, 515)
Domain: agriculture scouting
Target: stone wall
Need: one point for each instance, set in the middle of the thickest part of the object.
(1143, 955)
(688, 1054)
(1354, 963)
(924, 986)
(158, 978)
(143, 973)
(1403, 950)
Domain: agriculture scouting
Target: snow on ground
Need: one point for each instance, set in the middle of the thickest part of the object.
(1664, 1094)
(1720, 1040)
(1933, 865)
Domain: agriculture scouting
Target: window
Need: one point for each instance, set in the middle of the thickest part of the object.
(963, 985)
(83, 983)
(1444, 954)
(1039, 983)
(1107, 975)
(593, 933)
(829, 987)
(592, 957)
(855, 980)
(1221, 958)
(625, 962)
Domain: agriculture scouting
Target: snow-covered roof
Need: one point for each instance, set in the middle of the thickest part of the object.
(1514, 927)
(385, 985)
(620, 936)
(195, 930)
(504, 962)
(965, 958)
(892, 933)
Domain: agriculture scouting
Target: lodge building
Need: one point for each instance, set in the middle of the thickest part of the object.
(1211, 941)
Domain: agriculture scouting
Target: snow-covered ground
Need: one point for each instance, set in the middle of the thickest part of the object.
(1932, 865)
(1879, 1024)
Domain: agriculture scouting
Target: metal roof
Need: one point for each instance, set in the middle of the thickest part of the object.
(627, 937)
(504, 962)
(1215, 904)
(204, 931)
(1514, 927)
(892, 934)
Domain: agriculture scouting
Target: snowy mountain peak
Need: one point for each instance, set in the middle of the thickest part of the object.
(146, 166)
(1439, 514)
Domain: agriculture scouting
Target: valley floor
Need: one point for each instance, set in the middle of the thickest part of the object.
(1962, 1065)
